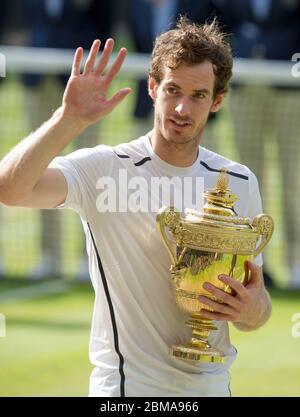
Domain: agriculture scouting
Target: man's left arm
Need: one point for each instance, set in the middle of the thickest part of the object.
(248, 309)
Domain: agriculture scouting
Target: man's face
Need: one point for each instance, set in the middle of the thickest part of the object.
(183, 101)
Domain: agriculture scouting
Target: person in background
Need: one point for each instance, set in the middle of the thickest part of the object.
(147, 20)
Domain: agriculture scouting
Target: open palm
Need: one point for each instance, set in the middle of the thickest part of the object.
(85, 97)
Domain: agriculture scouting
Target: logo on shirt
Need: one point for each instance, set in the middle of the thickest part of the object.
(137, 194)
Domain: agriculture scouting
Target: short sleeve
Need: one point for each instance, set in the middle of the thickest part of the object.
(82, 169)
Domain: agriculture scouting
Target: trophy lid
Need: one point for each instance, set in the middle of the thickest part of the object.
(219, 206)
(220, 200)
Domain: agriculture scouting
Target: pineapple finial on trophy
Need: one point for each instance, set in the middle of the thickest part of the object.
(222, 181)
(220, 200)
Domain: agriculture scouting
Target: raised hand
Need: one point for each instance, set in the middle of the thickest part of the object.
(85, 98)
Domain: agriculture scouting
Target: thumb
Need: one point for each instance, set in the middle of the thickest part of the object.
(118, 97)
(254, 274)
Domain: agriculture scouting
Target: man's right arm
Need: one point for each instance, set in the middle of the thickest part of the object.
(25, 176)
(25, 179)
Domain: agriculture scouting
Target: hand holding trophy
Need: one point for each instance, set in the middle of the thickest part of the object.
(202, 246)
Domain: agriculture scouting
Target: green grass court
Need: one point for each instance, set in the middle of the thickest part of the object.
(45, 352)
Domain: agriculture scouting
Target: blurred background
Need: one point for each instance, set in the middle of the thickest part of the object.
(46, 299)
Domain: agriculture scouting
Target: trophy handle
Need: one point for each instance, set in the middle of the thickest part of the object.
(264, 225)
(168, 216)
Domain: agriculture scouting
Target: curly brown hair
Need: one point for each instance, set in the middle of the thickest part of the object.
(190, 44)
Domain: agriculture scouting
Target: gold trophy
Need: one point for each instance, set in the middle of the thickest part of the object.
(203, 245)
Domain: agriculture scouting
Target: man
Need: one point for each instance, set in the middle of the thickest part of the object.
(136, 318)
(147, 20)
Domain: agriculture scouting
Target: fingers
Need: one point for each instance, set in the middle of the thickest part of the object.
(90, 62)
(256, 276)
(215, 316)
(222, 296)
(77, 62)
(98, 69)
(103, 61)
(118, 97)
(253, 268)
(215, 306)
(115, 68)
(237, 286)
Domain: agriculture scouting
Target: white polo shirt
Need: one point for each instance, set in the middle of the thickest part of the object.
(136, 318)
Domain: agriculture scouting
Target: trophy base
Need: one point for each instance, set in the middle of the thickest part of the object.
(198, 354)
